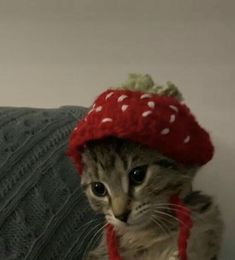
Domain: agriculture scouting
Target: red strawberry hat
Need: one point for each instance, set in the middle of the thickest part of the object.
(157, 121)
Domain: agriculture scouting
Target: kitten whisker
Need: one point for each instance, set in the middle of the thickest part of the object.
(179, 208)
(90, 230)
(171, 209)
(164, 224)
(169, 220)
(94, 238)
(163, 228)
(89, 222)
(169, 216)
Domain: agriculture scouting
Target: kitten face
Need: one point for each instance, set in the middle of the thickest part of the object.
(130, 183)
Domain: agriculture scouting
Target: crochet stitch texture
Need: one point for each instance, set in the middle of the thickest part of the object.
(159, 122)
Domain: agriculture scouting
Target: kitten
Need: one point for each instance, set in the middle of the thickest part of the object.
(131, 185)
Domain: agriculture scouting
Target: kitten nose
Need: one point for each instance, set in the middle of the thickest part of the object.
(119, 207)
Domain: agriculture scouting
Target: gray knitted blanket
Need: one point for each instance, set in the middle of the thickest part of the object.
(43, 212)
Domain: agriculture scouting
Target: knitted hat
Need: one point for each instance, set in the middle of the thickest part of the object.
(159, 122)
(153, 116)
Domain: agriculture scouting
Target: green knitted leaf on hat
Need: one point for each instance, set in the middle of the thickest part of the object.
(145, 83)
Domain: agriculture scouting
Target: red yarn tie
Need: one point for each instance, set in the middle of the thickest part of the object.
(183, 214)
(112, 243)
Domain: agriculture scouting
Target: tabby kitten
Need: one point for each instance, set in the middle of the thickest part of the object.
(131, 185)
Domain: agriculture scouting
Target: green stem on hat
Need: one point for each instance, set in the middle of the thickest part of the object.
(145, 83)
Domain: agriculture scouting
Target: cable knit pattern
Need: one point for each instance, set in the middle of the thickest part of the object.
(43, 213)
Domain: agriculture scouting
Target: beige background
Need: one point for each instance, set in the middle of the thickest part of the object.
(55, 53)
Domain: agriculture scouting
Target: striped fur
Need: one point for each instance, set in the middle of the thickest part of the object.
(151, 229)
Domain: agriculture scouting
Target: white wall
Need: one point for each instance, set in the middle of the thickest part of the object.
(55, 52)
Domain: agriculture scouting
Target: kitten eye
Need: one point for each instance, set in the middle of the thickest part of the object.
(98, 189)
(137, 175)
(164, 163)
